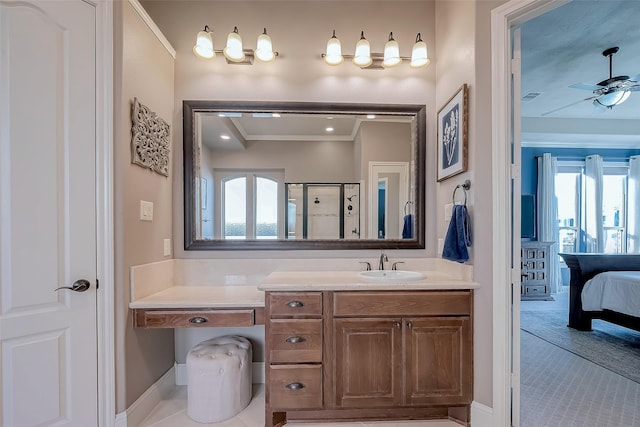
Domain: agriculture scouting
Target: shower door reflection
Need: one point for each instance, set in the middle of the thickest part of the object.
(323, 211)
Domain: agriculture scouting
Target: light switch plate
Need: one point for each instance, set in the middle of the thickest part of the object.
(167, 247)
(146, 210)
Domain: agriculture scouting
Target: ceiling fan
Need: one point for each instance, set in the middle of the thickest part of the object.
(609, 92)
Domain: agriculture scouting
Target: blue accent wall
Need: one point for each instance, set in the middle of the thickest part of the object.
(529, 164)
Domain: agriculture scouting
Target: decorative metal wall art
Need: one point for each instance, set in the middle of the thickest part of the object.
(150, 139)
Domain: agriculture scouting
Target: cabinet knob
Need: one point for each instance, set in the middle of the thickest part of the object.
(397, 324)
(409, 324)
(295, 386)
(197, 320)
(295, 304)
(295, 340)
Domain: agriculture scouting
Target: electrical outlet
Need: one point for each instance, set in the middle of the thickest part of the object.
(146, 210)
(448, 209)
(167, 247)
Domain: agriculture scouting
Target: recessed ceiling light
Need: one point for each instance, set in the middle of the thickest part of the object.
(371, 116)
(329, 129)
(225, 137)
(276, 115)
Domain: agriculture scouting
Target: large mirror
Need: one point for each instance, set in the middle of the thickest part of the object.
(303, 176)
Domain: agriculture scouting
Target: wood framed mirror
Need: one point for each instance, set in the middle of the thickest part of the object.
(242, 161)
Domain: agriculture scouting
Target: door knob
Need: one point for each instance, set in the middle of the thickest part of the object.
(79, 285)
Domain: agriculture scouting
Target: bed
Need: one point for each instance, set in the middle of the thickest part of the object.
(612, 283)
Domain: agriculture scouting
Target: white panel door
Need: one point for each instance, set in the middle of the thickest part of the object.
(48, 338)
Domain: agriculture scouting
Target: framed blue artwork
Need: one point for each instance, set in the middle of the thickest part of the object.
(452, 135)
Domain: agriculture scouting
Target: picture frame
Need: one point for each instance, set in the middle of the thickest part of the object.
(453, 119)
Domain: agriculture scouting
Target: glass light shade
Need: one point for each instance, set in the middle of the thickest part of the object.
(611, 99)
(204, 45)
(362, 57)
(419, 57)
(333, 54)
(391, 53)
(264, 48)
(233, 52)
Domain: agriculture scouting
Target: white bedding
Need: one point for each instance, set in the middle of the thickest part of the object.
(613, 290)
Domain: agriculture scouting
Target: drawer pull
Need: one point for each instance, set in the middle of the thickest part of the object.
(295, 304)
(295, 386)
(198, 320)
(295, 340)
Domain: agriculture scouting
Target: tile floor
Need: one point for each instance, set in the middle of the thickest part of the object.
(172, 412)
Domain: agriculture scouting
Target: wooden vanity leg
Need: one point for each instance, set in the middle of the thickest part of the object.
(275, 419)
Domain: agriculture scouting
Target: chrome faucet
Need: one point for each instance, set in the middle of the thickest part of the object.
(383, 258)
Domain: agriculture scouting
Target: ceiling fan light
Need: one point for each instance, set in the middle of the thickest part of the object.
(611, 99)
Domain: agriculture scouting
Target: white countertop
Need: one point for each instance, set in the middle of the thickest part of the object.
(350, 280)
(203, 297)
(229, 296)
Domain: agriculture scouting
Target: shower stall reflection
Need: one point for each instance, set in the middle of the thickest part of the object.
(323, 211)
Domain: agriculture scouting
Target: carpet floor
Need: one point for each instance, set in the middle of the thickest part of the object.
(610, 346)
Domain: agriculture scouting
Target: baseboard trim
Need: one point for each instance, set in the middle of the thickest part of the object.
(481, 415)
(257, 372)
(142, 407)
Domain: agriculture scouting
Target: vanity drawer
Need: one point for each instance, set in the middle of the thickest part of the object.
(295, 303)
(151, 318)
(402, 303)
(295, 386)
(295, 340)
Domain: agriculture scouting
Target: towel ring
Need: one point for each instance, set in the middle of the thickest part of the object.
(465, 187)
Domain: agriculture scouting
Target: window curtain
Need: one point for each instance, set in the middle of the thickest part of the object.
(633, 206)
(593, 226)
(547, 217)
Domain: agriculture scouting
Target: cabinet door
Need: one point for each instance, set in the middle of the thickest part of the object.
(438, 360)
(368, 362)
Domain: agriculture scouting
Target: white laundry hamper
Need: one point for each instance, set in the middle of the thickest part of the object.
(219, 378)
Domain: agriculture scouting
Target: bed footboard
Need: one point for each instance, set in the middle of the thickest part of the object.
(583, 267)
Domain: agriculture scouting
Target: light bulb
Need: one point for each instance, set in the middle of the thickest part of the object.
(419, 57)
(264, 48)
(333, 54)
(362, 57)
(233, 52)
(391, 53)
(204, 45)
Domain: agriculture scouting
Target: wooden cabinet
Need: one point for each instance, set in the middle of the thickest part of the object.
(385, 355)
(535, 271)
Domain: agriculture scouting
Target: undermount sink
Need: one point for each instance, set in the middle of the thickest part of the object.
(391, 275)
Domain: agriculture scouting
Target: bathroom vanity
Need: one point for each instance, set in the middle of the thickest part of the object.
(340, 349)
(339, 345)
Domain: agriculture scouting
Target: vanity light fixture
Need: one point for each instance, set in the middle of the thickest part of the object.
(364, 59)
(234, 52)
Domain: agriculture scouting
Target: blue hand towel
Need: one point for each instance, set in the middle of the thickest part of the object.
(407, 229)
(458, 235)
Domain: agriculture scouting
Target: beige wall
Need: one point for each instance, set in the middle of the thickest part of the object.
(143, 69)
(299, 31)
(460, 54)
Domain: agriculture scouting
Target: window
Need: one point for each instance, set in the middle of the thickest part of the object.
(252, 203)
(572, 207)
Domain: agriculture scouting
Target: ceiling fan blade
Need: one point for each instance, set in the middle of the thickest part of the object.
(634, 88)
(555, 110)
(585, 86)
